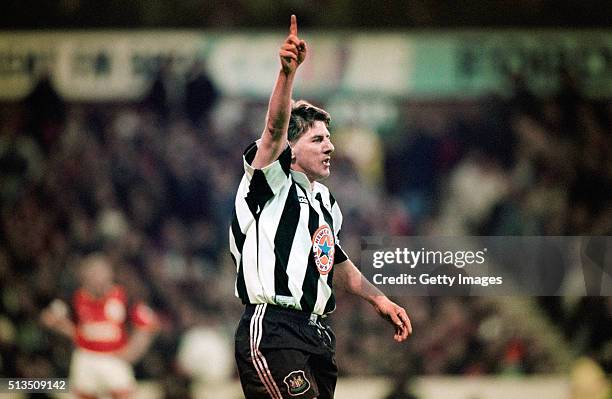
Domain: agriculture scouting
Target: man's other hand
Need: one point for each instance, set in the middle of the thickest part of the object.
(395, 315)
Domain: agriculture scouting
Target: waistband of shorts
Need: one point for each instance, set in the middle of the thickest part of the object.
(295, 314)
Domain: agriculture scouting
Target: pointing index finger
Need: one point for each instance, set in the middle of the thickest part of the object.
(293, 27)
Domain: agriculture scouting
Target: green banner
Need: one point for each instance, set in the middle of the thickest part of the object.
(115, 65)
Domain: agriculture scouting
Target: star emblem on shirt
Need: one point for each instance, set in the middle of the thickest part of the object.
(325, 248)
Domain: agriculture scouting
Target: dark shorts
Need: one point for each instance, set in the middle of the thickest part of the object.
(284, 353)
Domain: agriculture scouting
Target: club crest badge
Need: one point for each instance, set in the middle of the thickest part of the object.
(323, 249)
(296, 383)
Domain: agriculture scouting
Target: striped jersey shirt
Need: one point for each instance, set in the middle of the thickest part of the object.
(284, 237)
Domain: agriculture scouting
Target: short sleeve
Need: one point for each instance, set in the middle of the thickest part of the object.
(266, 182)
(276, 173)
(143, 317)
(340, 255)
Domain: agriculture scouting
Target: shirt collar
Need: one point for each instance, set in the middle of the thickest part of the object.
(301, 179)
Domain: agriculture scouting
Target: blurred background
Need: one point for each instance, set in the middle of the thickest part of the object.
(122, 126)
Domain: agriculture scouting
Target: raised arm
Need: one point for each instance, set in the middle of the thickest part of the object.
(274, 136)
(350, 279)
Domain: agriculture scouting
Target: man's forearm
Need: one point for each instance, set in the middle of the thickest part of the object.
(66, 328)
(53, 319)
(279, 107)
(139, 343)
(274, 137)
(348, 278)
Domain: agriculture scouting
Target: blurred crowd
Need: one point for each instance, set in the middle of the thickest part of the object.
(152, 184)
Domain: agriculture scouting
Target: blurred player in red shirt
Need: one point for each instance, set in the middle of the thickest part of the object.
(105, 350)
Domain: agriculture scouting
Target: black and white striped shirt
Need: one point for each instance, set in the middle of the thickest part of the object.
(284, 237)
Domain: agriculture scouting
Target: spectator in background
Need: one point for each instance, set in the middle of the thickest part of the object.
(21, 163)
(101, 364)
(413, 166)
(200, 94)
(45, 112)
(205, 338)
(156, 98)
(402, 381)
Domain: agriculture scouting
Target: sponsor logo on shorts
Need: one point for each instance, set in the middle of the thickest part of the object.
(297, 383)
(323, 249)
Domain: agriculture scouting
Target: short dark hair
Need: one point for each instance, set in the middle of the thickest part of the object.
(303, 117)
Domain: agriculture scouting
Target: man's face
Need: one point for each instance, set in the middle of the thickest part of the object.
(312, 152)
(97, 276)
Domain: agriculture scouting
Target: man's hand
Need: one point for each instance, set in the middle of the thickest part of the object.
(137, 346)
(350, 279)
(293, 51)
(55, 318)
(396, 315)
